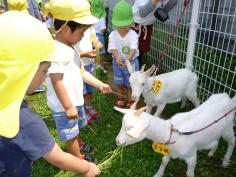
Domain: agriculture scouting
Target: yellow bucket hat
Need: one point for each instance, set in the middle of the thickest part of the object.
(70, 10)
(19, 5)
(25, 42)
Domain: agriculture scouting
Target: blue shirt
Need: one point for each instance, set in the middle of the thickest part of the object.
(31, 143)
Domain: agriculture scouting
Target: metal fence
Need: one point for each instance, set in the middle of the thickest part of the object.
(212, 44)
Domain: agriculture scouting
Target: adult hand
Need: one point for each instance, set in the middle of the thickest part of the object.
(72, 113)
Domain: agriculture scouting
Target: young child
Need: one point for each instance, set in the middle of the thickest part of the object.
(98, 10)
(24, 137)
(123, 44)
(87, 53)
(65, 82)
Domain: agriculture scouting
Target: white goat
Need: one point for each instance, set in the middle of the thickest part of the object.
(137, 125)
(173, 86)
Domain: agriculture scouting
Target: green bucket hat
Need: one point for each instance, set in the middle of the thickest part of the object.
(122, 14)
(97, 8)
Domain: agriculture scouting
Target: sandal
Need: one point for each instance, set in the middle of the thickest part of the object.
(130, 103)
(86, 148)
(90, 158)
(120, 104)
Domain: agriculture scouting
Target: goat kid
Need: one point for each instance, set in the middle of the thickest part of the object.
(138, 125)
(173, 86)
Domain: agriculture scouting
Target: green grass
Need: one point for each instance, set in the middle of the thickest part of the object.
(136, 160)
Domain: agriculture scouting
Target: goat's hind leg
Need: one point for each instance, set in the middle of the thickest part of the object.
(162, 168)
(230, 138)
(213, 148)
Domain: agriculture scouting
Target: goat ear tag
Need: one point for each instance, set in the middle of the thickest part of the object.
(157, 86)
(161, 148)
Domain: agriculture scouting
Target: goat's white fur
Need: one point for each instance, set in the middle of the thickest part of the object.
(135, 129)
(177, 84)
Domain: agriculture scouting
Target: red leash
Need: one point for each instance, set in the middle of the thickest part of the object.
(171, 38)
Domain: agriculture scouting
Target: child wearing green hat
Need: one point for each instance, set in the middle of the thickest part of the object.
(123, 44)
(65, 77)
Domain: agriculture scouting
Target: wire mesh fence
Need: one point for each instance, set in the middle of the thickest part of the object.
(214, 58)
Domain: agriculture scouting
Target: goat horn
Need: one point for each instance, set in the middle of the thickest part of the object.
(140, 111)
(142, 69)
(134, 105)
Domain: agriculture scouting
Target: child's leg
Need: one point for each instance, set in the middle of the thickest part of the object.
(88, 98)
(74, 148)
(121, 91)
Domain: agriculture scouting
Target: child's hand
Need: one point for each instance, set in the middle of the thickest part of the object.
(118, 61)
(104, 88)
(93, 170)
(89, 54)
(72, 113)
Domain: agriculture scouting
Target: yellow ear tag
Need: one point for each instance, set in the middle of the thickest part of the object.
(161, 148)
(157, 86)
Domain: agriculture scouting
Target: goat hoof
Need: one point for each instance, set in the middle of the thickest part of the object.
(210, 155)
(225, 163)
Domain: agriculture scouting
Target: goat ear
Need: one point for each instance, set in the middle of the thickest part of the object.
(140, 111)
(129, 66)
(150, 71)
(137, 131)
(120, 110)
(142, 69)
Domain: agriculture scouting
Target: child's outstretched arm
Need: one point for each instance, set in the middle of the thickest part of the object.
(131, 54)
(91, 80)
(69, 162)
(57, 82)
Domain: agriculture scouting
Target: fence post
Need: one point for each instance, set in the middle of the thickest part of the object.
(192, 33)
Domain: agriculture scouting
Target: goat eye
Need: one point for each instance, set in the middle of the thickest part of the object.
(143, 84)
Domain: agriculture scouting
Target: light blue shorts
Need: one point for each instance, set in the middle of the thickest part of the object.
(69, 128)
(102, 40)
(121, 75)
(88, 88)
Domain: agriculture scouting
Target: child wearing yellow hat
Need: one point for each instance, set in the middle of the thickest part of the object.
(24, 136)
(123, 44)
(65, 77)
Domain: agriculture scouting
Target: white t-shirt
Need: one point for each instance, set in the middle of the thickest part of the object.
(85, 44)
(100, 25)
(72, 78)
(149, 19)
(123, 44)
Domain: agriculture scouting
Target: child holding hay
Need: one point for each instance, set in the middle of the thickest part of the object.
(88, 54)
(24, 137)
(123, 44)
(65, 77)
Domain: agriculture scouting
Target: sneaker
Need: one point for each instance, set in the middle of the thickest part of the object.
(90, 158)
(91, 113)
(86, 148)
(39, 89)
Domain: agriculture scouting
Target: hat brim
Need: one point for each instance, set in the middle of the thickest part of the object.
(122, 23)
(88, 20)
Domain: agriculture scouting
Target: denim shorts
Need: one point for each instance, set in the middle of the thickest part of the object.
(91, 69)
(121, 75)
(69, 128)
(102, 40)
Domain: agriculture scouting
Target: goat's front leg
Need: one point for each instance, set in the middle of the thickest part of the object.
(149, 109)
(191, 162)
(160, 108)
(162, 168)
